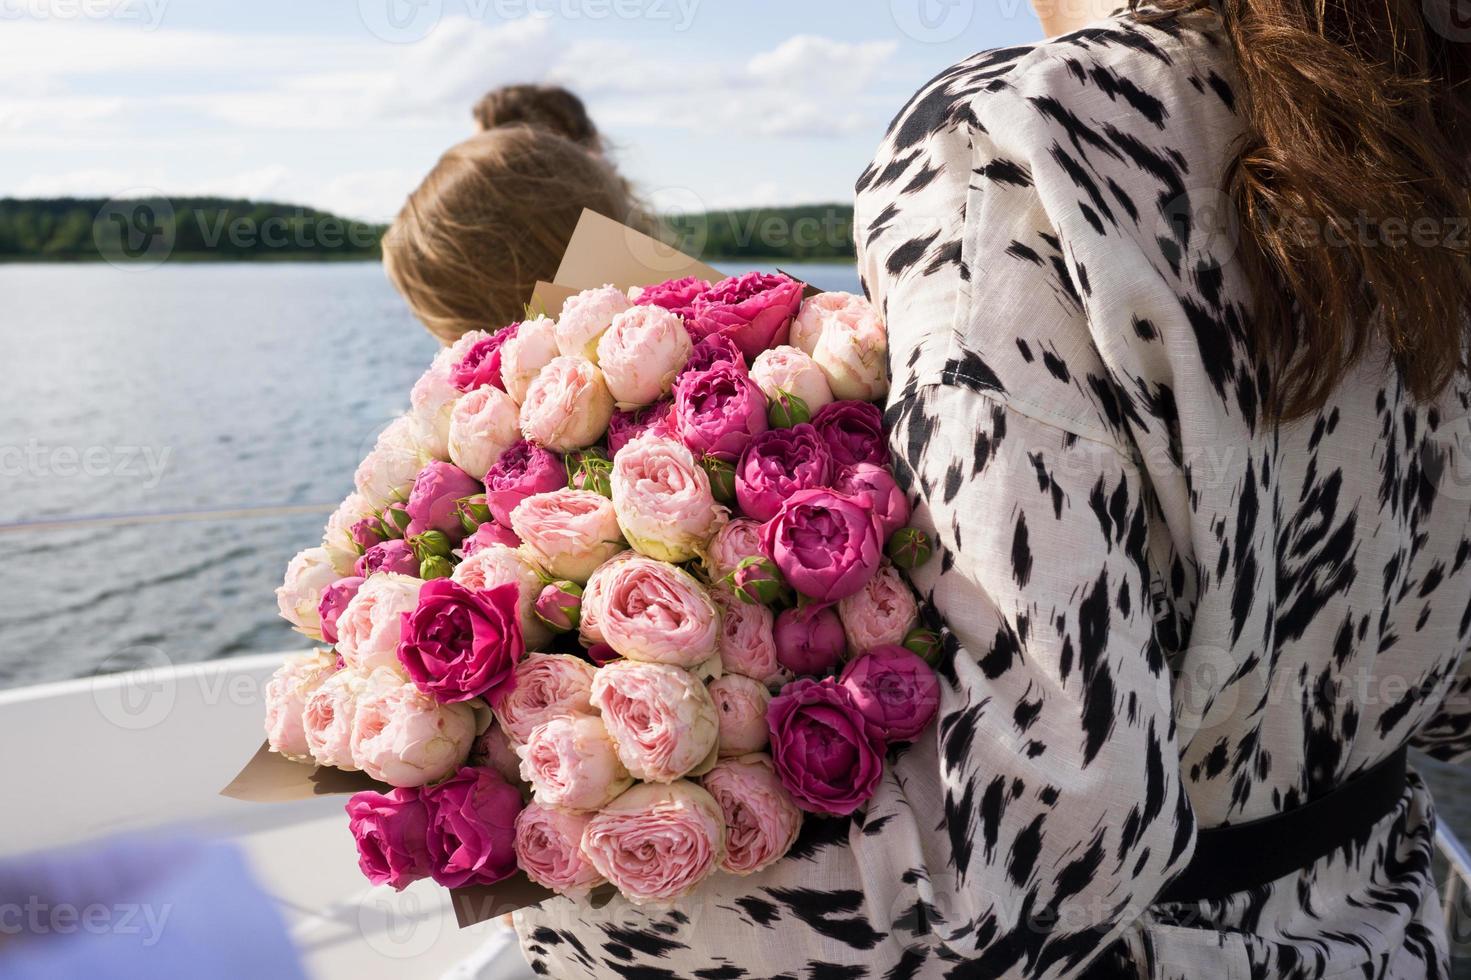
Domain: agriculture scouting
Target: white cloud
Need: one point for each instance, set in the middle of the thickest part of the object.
(806, 62)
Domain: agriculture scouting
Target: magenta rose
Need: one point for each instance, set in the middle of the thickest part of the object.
(755, 310)
(676, 295)
(523, 470)
(462, 643)
(713, 350)
(391, 833)
(777, 464)
(487, 534)
(823, 747)
(809, 640)
(471, 833)
(853, 431)
(334, 601)
(628, 426)
(717, 411)
(481, 364)
(875, 484)
(432, 503)
(826, 545)
(389, 556)
(896, 691)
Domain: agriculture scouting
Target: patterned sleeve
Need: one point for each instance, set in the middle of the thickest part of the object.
(1055, 753)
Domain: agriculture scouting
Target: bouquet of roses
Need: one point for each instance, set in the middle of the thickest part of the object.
(618, 599)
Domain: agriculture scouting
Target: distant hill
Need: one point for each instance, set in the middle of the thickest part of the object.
(221, 229)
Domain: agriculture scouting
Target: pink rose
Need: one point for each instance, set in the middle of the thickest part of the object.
(299, 597)
(426, 425)
(895, 690)
(568, 532)
(286, 696)
(495, 749)
(810, 639)
(549, 850)
(327, 717)
(826, 545)
(661, 718)
(823, 747)
(656, 843)
(462, 643)
(524, 355)
(854, 433)
(777, 464)
(755, 310)
(737, 540)
(876, 486)
(640, 353)
(433, 501)
(881, 613)
(403, 737)
(662, 499)
(717, 411)
(571, 762)
(567, 406)
(471, 835)
(340, 537)
(714, 349)
(588, 630)
(741, 703)
(334, 601)
(676, 295)
(390, 830)
(785, 371)
(387, 473)
(499, 564)
(584, 318)
(560, 606)
(761, 818)
(846, 337)
(523, 470)
(546, 685)
(487, 534)
(369, 628)
(625, 427)
(652, 611)
(747, 641)
(484, 423)
(396, 556)
(481, 363)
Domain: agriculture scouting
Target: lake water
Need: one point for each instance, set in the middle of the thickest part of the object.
(170, 438)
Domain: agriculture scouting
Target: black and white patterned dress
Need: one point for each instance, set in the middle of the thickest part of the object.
(1161, 610)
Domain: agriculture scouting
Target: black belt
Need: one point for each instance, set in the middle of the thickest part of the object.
(1242, 856)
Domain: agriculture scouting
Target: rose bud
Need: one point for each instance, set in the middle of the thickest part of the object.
(396, 518)
(546, 685)
(338, 537)
(628, 426)
(403, 737)
(435, 567)
(909, 547)
(486, 535)
(717, 411)
(334, 601)
(584, 318)
(676, 295)
(788, 371)
(640, 353)
(787, 410)
(756, 581)
(369, 628)
(824, 748)
(851, 344)
(924, 643)
(431, 544)
(524, 470)
(390, 556)
(714, 349)
(809, 639)
(524, 355)
(663, 499)
(568, 532)
(755, 310)
(286, 696)
(741, 704)
(568, 406)
(473, 511)
(461, 643)
(881, 613)
(549, 850)
(590, 469)
(826, 545)
(366, 533)
(481, 363)
(896, 691)
(777, 464)
(484, 424)
(471, 835)
(854, 432)
(722, 479)
(498, 564)
(299, 596)
(657, 843)
(390, 831)
(560, 606)
(602, 654)
(437, 490)
(570, 761)
(761, 818)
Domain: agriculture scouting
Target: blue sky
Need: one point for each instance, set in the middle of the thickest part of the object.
(345, 104)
